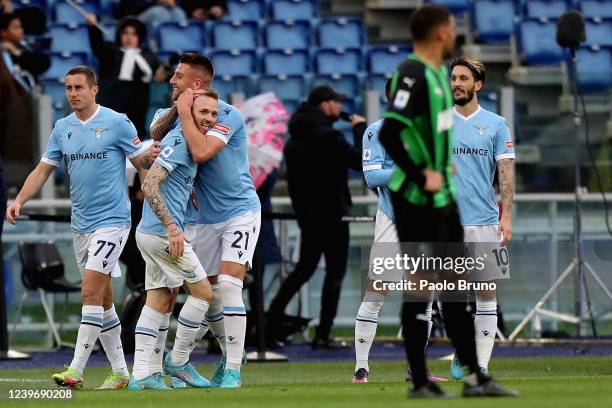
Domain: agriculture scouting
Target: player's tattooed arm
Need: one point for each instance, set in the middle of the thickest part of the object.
(163, 125)
(505, 168)
(150, 187)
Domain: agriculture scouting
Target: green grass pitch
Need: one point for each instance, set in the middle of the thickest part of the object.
(578, 382)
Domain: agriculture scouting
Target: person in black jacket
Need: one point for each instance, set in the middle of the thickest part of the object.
(125, 69)
(16, 53)
(318, 158)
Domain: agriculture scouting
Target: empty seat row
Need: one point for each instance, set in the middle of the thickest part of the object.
(62, 12)
(375, 60)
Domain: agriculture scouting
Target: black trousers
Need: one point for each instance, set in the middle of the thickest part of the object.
(330, 238)
(441, 226)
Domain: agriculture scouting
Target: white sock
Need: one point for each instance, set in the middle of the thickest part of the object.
(157, 356)
(234, 315)
(146, 335)
(192, 313)
(200, 334)
(92, 318)
(365, 327)
(110, 337)
(428, 314)
(214, 318)
(485, 325)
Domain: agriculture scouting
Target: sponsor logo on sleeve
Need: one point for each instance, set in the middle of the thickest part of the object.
(367, 154)
(509, 144)
(221, 128)
(166, 152)
(136, 141)
(401, 99)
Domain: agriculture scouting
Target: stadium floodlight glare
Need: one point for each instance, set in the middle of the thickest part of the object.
(570, 34)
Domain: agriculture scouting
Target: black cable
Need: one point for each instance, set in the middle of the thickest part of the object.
(592, 158)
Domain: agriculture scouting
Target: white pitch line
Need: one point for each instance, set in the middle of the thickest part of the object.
(26, 380)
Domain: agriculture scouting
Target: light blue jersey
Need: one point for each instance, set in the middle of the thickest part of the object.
(479, 141)
(223, 184)
(378, 167)
(176, 189)
(191, 214)
(94, 152)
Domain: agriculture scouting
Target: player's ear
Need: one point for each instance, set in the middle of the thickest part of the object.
(95, 89)
(478, 86)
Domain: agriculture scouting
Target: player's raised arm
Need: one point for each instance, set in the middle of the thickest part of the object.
(202, 147)
(160, 127)
(37, 178)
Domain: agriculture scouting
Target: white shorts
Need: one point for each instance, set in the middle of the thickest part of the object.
(483, 242)
(386, 244)
(233, 241)
(100, 250)
(190, 232)
(162, 270)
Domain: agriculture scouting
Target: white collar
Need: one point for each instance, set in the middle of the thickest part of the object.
(466, 118)
(89, 119)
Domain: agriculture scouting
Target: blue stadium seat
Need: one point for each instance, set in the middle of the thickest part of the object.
(291, 105)
(180, 37)
(598, 31)
(65, 13)
(545, 8)
(537, 44)
(293, 9)
(456, 6)
(111, 30)
(41, 4)
(340, 33)
(488, 100)
(350, 85)
(62, 62)
(596, 8)
(244, 10)
(228, 84)
(287, 34)
(287, 62)
(69, 38)
(234, 63)
(291, 87)
(56, 89)
(338, 61)
(492, 20)
(595, 68)
(377, 83)
(235, 35)
(384, 60)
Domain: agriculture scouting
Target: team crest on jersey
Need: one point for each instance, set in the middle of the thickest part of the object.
(219, 127)
(98, 132)
(481, 129)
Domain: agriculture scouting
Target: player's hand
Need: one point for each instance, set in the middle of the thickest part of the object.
(356, 119)
(91, 19)
(176, 240)
(13, 212)
(185, 101)
(505, 230)
(433, 181)
(154, 151)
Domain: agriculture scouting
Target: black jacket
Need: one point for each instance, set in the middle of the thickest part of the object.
(318, 158)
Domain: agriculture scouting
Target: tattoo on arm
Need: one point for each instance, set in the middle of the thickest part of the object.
(164, 124)
(152, 193)
(506, 183)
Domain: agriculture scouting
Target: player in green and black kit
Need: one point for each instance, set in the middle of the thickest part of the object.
(417, 135)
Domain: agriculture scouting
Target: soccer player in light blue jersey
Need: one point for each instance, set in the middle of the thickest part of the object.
(378, 167)
(229, 213)
(93, 142)
(170, 258)
(482, 143)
